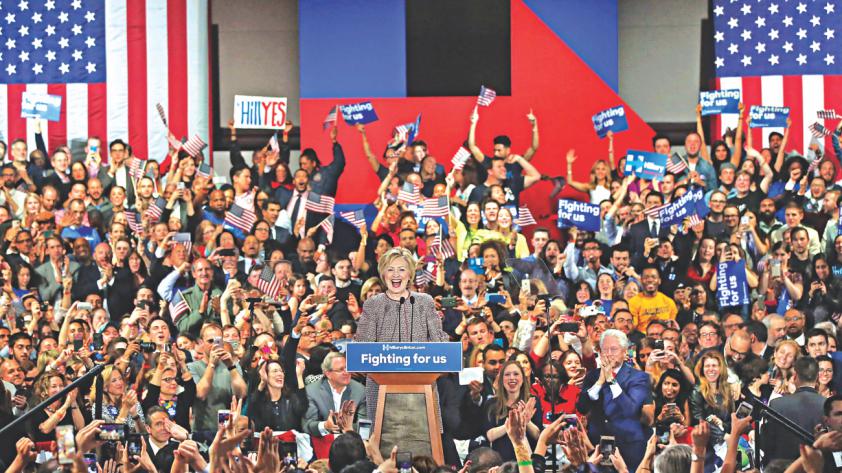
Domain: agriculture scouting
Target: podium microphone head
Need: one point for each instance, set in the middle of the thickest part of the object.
(403, 299)
(412, 300)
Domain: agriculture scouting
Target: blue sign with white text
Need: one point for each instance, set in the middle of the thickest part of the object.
(47, 107)
(415, 357)
(731, 284)
(715, 102)
(362, 112)
(768, 116)
(681, 208)
(646, 165)
(613, 120)
(582, 215)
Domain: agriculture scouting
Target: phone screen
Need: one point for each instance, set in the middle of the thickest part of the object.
(365, 429)
(404, 461)
(65, 444)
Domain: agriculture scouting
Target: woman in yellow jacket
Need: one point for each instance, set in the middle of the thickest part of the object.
(515, 242)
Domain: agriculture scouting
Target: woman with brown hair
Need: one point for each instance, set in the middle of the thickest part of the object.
(712, 399)
(511, 392)
(61, 412)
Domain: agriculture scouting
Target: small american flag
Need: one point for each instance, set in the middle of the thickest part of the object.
(319, 203)
(695, 220)
(175, 143)
(273, 143)
(423, 277)
(330, 119)
(654, 212)
(409, 131)
(134, 221)
(442, 247)
(676, 167)
(194, 146)
(524, 217)
(486, 96)
(814, 163)
(460, 158)
(327, 226)
(153, 213)
(161, 113)
(818, 130)
(204, 170)
(178, 306)
(827, 114)
(409, 193)
(240, 218)
(435, 207)
(184, 239)
(355, 218)
(268, 282)
(136, 166)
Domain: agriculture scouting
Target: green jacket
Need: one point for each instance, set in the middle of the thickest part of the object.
(192, 321)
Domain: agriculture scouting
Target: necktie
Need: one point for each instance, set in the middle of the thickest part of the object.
(654, 228)
(295, 207)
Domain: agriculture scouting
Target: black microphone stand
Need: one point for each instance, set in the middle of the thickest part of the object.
(553, 397)
(95, 371)
(772, 415)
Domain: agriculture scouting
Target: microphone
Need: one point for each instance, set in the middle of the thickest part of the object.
(400, 307)
(411, 317)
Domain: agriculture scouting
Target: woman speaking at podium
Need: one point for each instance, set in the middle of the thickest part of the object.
(397, 315)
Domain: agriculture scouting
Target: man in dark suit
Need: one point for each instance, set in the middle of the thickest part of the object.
(161, 446)
(612, 398)
(804, 407)
(117, 173)
(649, 227)
(327, 396)
(57, 267)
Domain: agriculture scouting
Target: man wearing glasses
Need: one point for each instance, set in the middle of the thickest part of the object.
(117, 174)
(795, 321)
(817, 346)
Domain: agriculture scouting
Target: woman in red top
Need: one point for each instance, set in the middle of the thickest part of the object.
(565, 376)
(701, 270)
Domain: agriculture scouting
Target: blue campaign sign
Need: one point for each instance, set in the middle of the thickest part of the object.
(681, 208)
(582, 215)
(731, 284)
(414, 357)
(362, 112)
(768, 116)
(646, 165)
(613, 119)
(715, 102)
(34, 105)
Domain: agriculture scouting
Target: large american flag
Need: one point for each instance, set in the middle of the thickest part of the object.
(779, 53)
(111, 62)
(319, 203)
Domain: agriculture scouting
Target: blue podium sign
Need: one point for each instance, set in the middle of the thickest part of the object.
(409, 357)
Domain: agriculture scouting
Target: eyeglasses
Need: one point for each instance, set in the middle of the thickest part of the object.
(826, 370)
(796, 318)
(24, 240)
(708, 335)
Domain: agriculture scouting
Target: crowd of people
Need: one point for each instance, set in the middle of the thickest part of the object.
(221, 312)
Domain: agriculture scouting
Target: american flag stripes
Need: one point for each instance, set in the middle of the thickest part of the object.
(178, 306)
(240, 217)
(435, 207)
(779, 54)
(327, 226)
(134, 221)
(319, 203)
(818, 130)
(153, 213)
(330, 119)
(409, 193)
(676, 166)
(423, 277)
(161, 113)
(524, 217)
(204, 170)
(695, 220)
(653, 212)
(828, 114)
(175, 143)
(409, 131)
(460, 158)
(268, 282)
(184, 239)
(136, 166)
(194, 146)
(486, 96)
(442, 247)
(111, 63)
(355, 218)
(273, 144)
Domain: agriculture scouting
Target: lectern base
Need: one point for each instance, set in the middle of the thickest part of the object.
(406, 415)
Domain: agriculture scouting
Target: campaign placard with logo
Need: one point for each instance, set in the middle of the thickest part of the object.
(582, 215)
(362, 112)
(44, 106)
(260, 112)
(768, 116)
(716, 102)
(646, 164)
(414, 357)
(613, 120)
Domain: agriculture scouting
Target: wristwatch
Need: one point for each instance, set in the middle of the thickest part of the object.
(694, 457)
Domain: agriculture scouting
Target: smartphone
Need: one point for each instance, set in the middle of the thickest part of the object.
(319, 299)
(606, 447)
(77, 344)
(744, 410)
(180, 186)
(97, 341)
(448, 302)
(85, 306)
(664, 437)
(776, 268)
(167, 348)
(148, 347)
(65, 444)
(494, 298)
(217, 342)
(133, 445)
(525, 288)
(568, 327)
(658, 345)
(404, 462)
(744, 220)
(289, 453)
(223, 416)
(90, 462)
(111, 432)
(572, 420)
(226, 252)
(94, 148)
(364, 428)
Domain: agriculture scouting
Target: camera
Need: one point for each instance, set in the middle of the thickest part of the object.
(147, 347)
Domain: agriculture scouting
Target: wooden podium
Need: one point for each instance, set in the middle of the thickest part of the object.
(411, 397)
(406, 413)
